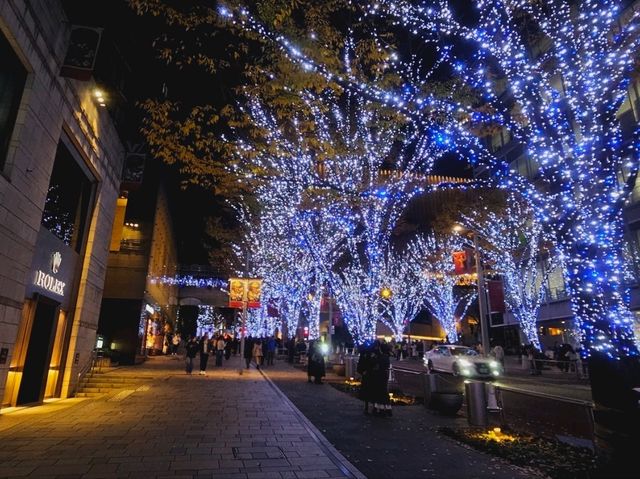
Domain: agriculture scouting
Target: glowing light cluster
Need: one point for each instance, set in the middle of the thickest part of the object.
(190, 281)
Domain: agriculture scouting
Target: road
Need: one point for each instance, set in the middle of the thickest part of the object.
(557, 384)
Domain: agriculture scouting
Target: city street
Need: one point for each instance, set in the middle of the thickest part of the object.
(229, 426)
(549, 382)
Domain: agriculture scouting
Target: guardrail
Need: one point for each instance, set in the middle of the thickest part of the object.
(524, 410)
(544, 413)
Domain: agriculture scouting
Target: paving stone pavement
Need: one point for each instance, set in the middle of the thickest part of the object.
(220, 426)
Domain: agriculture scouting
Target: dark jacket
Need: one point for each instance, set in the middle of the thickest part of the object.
(192, 349)
(315, 366)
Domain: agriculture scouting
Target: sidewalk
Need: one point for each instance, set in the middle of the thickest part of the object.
(223, 425)
(404, 446)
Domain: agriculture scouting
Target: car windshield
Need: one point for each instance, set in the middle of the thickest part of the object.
(461, 351)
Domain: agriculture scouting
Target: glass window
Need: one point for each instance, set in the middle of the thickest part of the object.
(12, 79)
(68, 199)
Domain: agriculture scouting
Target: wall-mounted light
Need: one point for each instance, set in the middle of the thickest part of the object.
(100, 97)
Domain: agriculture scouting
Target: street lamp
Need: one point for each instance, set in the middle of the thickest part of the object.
(482, 298)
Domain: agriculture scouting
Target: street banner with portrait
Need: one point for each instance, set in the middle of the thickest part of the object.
(243, 290)
(253, 292)
(460, 262)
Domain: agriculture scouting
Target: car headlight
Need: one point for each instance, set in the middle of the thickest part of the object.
(494, 364)
(465, 362)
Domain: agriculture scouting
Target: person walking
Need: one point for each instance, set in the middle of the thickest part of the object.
(271, 350)
(175, 343)
(315, 363)
(205, 348)
(257, 353)
(192, 349)
(228, 345)
(248, 351)
(498, 353)
(220, 345)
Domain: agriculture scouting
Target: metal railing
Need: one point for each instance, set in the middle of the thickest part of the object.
(87, 368)
(545, 413)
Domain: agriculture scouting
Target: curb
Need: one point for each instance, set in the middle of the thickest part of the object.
(341, 462)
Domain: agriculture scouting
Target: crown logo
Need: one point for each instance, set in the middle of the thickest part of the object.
(56, 260)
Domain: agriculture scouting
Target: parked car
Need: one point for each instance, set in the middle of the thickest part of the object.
(461, 360)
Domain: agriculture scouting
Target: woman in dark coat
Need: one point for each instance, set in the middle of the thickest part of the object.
(380, 379)
(365, 370)
(315, 365)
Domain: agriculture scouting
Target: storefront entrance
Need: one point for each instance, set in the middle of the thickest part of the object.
(36, 364)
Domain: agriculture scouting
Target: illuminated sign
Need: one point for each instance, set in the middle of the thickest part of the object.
(46, 281)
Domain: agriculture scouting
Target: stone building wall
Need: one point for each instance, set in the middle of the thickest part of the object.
(52, 107)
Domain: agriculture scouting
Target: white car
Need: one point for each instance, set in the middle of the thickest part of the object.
(461, 360)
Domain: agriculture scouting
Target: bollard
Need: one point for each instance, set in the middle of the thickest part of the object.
(351, 366)
(476, 403)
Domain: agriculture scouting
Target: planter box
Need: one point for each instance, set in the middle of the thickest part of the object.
(339, 369)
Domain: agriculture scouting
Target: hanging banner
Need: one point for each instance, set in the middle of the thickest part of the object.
(459, 262)
(254, 289)
(496, 295)
(236, 292)
(243, 290)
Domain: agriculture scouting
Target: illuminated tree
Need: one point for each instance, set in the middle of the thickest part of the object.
(513, 242)
(557, 105)
(403, 289)
(444, 299)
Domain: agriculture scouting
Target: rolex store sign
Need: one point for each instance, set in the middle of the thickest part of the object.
(47, 280)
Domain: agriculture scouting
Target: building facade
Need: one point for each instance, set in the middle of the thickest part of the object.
(139, 307)
(60, 165)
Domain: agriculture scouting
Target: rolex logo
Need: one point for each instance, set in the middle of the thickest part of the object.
(56, 259)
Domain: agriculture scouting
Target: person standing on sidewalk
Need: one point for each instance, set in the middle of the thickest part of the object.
(205, 347)
(364, 369)
(380, 379)
(248, 351)
(271, 350)
(315, 363)
(257, 353)
(192, 349)
(220, 345)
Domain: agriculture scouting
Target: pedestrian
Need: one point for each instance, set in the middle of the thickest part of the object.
(364, 369)
(381, 363)
(271, 350)
(205, 348)
(291, 349)
(220, 345)
(257, 353)
(227, 346)
(175, 342)
(498, 353)
(192, 348)
(248, 351)
(315, 363)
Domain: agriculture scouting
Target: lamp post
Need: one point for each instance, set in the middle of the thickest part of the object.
(482, 295)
